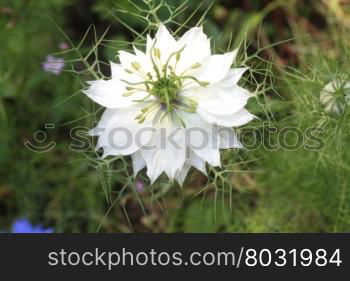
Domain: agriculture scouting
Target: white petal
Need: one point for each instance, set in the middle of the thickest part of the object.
(123, 135)
(116, 70)
(198, 163)
(163, 36)
(221, 100)
(166, 151)
(126, 59)
(144, 61)
(197, 48)
(165, 42)
(138, 162)
(149, 45)
(180, 175)
(202, 138)
(137, 52)
(239, 118)
(228, 138)
(233, 76)
(101, 126)
(194, 161)
(215, 68)
(109, 93)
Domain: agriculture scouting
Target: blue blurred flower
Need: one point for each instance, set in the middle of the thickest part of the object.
(53, 65)
(24, 226)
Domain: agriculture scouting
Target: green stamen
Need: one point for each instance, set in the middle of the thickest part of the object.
(165, 87)
(166, 91)
(135, 65)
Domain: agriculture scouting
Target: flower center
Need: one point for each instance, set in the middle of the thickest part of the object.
(166, 90)
(166, 86)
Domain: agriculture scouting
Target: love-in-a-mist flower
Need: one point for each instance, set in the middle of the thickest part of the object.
(53, 65)
(335, 96)
(172, 106)
(24, 226)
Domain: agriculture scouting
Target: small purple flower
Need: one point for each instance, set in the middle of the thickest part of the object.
(140, 187)
(24, 226)
(53, 65)
(63, 46)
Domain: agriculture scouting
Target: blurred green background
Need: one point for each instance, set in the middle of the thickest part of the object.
(295, 46)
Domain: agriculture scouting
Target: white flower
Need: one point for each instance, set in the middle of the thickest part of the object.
(335, 96)
(172, 106)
